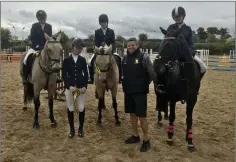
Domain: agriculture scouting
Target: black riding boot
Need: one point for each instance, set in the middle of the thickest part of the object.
(189, 70)
(71, 123)
(81, 124)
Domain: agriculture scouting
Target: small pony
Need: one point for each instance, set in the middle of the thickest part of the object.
(45, 67)
(106, 77)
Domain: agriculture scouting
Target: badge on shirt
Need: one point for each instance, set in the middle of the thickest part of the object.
(136, 61)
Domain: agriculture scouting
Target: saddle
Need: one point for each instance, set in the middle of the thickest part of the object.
(30, 60)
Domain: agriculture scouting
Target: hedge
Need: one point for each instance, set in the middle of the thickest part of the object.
(214, 48)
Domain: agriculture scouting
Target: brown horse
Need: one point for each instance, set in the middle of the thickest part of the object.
(44, 71)
(106, 77)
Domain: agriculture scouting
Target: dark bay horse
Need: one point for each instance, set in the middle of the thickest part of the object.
(106, 78)
(45, 68)
(172, 84)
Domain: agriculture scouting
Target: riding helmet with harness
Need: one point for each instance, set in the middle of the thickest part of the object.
(103, 18)
(41, 14)
(178, 11)
(78, 43)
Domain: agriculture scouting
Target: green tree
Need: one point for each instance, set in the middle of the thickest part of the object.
(202, 34)
(212, 30)
(91, 36)
(120, 38)
(211, 38)
(64, 42)
(143, 37)
(5, 38)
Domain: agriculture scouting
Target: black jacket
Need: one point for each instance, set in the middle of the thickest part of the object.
(137, 73)
(75, 74)
(186, 31)
(108, 38)
(37, 35)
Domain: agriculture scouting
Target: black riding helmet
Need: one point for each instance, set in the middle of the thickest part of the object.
(178, 11)
(41, 14)
(78, 43)
(103, 18)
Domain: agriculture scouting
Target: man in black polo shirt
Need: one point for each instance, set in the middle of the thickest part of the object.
(137, 75)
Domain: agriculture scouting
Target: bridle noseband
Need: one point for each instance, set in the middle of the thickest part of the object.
(48, 69)
(98, 70)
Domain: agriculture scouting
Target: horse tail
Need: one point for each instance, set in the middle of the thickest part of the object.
(28, 93)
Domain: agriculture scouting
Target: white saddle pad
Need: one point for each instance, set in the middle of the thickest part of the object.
(27, 55)
(203, 67)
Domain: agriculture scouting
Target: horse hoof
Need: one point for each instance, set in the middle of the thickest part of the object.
(36, 125)
(118, 123)
(54, 124)
(99, 124)
(170, 141)
(191, 148)
(160, 124)
(24, 108)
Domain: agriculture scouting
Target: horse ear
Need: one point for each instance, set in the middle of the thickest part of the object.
(163, 31)
(46, 36)
(109, 49)
(96, 49)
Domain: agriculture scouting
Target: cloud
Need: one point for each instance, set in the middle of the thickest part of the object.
(26, 14)
(80, 19)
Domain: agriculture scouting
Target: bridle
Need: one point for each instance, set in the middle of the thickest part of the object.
(48, 68)
(170, 64)
(160, 87)
(108, 70)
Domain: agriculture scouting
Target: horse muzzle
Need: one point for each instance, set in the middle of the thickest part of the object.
(56, 67)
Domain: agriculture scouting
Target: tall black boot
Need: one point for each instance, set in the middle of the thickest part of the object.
(71, 123)
(81, 124)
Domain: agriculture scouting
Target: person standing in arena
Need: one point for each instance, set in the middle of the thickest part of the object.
(75, 77)
(137, 75)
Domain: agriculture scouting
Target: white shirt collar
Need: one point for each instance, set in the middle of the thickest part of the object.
(42, 25)
(75, 57)
(180, 25)
(104, 30)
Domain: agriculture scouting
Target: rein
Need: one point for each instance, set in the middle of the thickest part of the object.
(47, 68)
(108, 70)
(169, 64)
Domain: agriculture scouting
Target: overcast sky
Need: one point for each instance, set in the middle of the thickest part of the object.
(126, 18)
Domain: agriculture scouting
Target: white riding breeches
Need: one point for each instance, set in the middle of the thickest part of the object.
(203, 66)
(27, 55)
(80, 101)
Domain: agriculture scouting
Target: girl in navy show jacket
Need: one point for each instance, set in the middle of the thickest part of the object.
(75, 77)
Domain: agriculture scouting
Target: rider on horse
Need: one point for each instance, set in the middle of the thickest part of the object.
(178, 14)
(104, 35)
(38, 40)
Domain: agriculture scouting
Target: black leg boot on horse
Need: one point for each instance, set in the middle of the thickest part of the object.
(71, 123)
(81, 124)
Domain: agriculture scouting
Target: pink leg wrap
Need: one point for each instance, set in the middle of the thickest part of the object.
(170, 129)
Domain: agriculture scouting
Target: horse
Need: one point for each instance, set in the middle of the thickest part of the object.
(172, 85)
(45, 67)
(106, 77)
